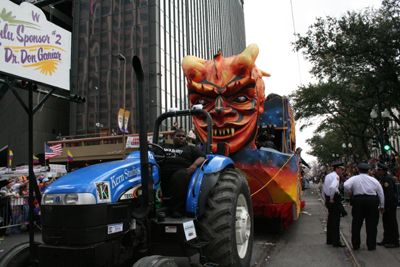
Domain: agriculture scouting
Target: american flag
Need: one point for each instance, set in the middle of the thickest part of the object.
(53, 151)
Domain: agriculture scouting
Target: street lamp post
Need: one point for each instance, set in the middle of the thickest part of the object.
(121, 57)
(374, 116)
(349, 146)
(347, 150)
(378, 115)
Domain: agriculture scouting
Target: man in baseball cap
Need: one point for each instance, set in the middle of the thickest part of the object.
(46, 182)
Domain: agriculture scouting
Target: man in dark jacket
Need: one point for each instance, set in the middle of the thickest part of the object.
(176, 171)
(390, 226)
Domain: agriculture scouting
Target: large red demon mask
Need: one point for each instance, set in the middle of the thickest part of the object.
(232, 91)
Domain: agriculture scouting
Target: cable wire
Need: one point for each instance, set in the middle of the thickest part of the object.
(295, 39)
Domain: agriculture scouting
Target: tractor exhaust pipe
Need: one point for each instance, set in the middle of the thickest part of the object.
(147, 180)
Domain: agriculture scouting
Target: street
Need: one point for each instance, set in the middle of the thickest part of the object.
(303, 244)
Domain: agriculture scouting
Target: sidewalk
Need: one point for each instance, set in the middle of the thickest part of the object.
(303, 244)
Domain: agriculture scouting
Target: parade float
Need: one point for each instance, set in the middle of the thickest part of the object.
(231, 90)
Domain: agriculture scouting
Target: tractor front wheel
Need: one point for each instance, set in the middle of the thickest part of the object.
(18, 256)
(227, 221)
(155, 261)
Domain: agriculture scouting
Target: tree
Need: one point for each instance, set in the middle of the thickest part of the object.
(352, 56)
(339, 107)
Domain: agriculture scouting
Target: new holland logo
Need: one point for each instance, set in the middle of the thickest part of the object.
(103, 191)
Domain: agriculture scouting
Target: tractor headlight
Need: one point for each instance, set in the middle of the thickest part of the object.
(71, 199)
(48, 199)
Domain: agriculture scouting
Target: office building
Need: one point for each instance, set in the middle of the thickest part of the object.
(160, 32)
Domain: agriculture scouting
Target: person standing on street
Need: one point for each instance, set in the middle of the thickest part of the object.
(333, 202)
(367, 197)
(390, 226)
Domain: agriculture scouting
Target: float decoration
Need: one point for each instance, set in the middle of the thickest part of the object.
(231, 90)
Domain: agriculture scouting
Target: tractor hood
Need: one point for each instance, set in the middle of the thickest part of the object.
(106, 181)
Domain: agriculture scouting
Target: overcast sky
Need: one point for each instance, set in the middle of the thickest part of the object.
(269, 24)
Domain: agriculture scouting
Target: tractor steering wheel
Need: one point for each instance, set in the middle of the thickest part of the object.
(159, 158)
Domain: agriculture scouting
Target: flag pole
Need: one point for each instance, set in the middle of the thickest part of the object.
(45, 161)
(8, 160)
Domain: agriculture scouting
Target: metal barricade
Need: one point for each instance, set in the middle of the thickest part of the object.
(13, 213)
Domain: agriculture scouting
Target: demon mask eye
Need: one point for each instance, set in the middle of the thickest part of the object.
(240, 99)
(202, 101)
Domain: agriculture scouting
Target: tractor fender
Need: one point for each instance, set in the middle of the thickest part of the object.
(203, 180)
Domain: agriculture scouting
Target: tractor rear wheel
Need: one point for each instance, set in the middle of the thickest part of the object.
(227, 221)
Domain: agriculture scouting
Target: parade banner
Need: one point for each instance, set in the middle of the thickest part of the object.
(121, 119)
(127, 113)
(57, 168)
(3, 170)
(25, 169)
(32, 47)
(133, 141)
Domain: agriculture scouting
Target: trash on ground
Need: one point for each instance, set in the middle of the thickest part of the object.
(269, 244)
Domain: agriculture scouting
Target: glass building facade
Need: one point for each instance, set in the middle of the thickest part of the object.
(161, 33)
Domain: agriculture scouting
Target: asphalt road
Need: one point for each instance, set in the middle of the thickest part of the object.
(303, 244)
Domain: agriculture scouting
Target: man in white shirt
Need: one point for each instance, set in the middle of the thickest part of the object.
(367, 195)
(331, 195)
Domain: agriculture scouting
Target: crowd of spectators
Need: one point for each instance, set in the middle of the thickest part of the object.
(14, 205)
(392, 161)
(356, 187)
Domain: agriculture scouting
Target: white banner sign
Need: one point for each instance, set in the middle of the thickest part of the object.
(133, 141)
(25, 169)
(32, 47)
(3, 170)
(57, 168)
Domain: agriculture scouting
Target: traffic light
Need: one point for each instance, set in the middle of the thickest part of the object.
(76, 98)
(24, 84)
(386, 143)
(375, 142)
(20, 83)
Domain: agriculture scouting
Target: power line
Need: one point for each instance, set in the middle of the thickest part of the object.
(295, 39)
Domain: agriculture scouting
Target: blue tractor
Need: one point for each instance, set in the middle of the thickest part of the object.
(109, 215)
